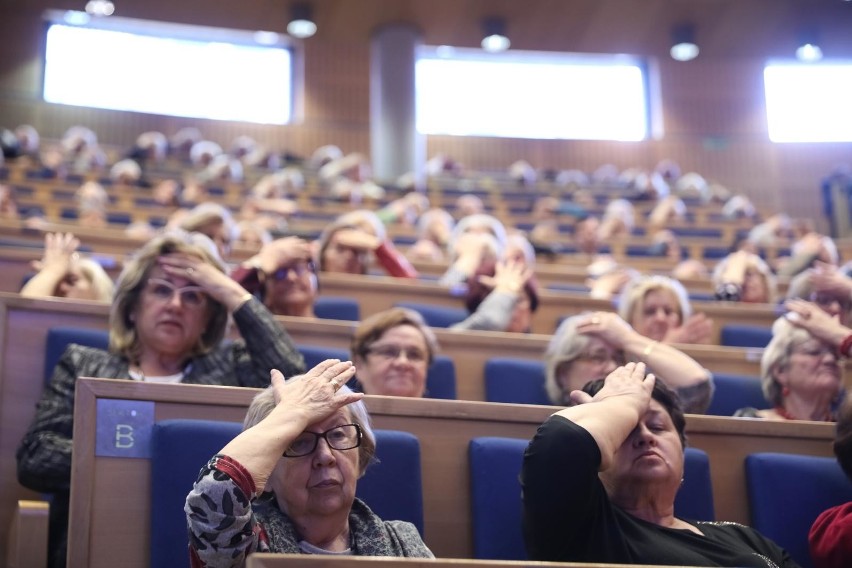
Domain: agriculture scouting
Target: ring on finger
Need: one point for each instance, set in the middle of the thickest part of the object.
(335, 384)
(189, 270)
(596, 320)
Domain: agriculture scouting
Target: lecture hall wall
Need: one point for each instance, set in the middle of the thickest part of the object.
(713, 112)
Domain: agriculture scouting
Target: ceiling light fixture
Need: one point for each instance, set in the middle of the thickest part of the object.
(684, 47)
(495, 39)
(302, 25)
(808, 50)
(100, 8)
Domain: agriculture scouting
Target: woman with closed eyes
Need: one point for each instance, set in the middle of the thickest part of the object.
(589, 346)
(168, 319)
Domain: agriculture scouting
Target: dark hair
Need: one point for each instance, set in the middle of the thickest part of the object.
(843, 437)
(477, 291)
(662, 394)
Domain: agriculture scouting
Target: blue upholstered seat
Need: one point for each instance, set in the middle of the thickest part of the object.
(519, 381)
(58, 339)
(435, 315)
(734, 392)
(741, 335)
(179, 449)
(337, 308)
(495, 466)
(787, 492)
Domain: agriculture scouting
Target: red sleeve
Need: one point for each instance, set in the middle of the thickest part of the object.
(830, 538)
(248, 277)
(394, 262)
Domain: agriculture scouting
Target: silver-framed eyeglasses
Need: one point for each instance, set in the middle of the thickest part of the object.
(344, 437)
(392, 352)
(164, 291)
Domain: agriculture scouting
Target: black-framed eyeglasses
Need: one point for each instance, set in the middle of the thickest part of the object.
(299, 269)
(345, 437)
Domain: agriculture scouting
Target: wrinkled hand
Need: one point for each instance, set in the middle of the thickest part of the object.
(628, 380)
(826, 278)
(60, 249)
(816, 321)
(283, 252)
(315, 395)
(608, 326)
(357, 239)
(697, 328)
(509, 276)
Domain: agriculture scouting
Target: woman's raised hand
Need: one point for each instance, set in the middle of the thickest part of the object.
(628, 380)
(315, 394)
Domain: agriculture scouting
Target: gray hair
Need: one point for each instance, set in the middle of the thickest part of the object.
(264, 403)
(565, 346)
(776, 356)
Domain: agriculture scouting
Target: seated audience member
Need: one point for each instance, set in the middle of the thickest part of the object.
(91, 159)
(203, 152)
(63, 273)
(125, 172)
(599, 481)
(469, 204)
(8, 203)
(830, 537)
(443, 165)
(618, 220)
(669, 209)
(324, 155)
(181, 143)
(434, 228)
(28, 140)
(283, 276)
(800, 369)
(589, 346)
(806, 251)
(150, 147)
(658, 307)
(223, 168)
(92, 201)
(475, 239)
(522, 173)
(214, 221)
(290, 479)
(166, 193)
(346, 246)
(774, 232)
(350, 178)
(404, 211)
(76, 140)
(519, 249)
(251, 236)
(587, 235)
(744, 277)
(392, 351)
(282, 184)
(826, 286)
(607, 278)
(739, 206)
(691, 184)
(167, 324)
(500, 297)
(650, 187)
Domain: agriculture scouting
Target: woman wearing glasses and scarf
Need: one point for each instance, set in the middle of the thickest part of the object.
(289, 479)
(168, 319)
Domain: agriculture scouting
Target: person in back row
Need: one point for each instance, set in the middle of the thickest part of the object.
(167, 325)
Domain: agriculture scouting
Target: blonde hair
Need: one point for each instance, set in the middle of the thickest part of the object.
(633, 296)
(123, 338)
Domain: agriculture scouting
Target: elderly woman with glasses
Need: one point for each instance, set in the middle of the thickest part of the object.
(289, 479)
(393, 350)
(800, 369)
(167, 324)
(282, 274)
(589, 346)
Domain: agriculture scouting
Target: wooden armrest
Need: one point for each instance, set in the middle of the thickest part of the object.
(27, 538)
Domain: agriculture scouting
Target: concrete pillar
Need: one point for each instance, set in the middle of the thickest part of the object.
(395, 145)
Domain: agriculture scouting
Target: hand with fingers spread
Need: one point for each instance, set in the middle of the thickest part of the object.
(314, 395)
(208, 277)
(63, 274)
(818, 322)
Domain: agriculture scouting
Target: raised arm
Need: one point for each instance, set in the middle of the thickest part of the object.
(615, 410)
(59, 251)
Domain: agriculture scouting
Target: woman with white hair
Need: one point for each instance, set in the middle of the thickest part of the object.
(658, 307)
(214, 221)
(475, 239)
(290, 479)
(589, 346)
(801, 372)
